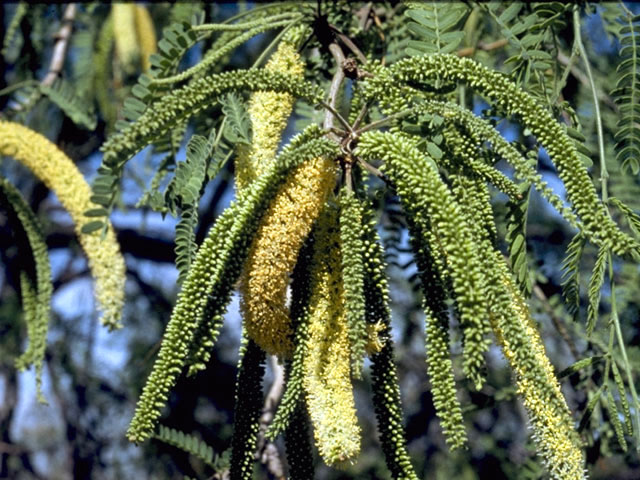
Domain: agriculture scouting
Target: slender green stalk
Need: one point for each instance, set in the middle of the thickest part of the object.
(604, 174)
(207, 61)
(627, 367)
(226, 27)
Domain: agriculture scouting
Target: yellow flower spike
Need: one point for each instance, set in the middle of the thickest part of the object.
(60, 174)
(124, 30)
(274, 253)
(269, 113)
(146, 34)
(549, 414)
(327, 366)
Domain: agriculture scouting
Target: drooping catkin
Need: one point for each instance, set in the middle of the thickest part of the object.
(327, 367)
(288, 221)
(60, 174)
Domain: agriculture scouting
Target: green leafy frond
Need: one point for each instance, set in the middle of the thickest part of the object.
(209, 60)
(579, 365)
(351, 247)
(513, 101)
(188, 443)
(36, 295)
(614, 417)
(186, 241)
(247, 410)
(627, 91)
(239, 124)
(423, 192)
(63, 95)
(622, 393)
(571, 274)
(182, 103)
(185, 187)
(12, 34)
(516, 237)
(526, 33)
(595, 285)
(633, 219)
(433, 25)
(197, 316)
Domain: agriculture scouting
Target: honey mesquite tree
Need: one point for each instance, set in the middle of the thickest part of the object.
(400, 110)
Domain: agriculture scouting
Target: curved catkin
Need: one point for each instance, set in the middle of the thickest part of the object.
(551, 420)
(60, 174)
(146, 34)
(124, 31)
(274, 252)
(269, 112)
(327, 366)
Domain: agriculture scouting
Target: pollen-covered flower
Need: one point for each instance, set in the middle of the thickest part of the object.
(60, 174)
(269, 113)
(548, 412)
(327, 366)
(274, 252)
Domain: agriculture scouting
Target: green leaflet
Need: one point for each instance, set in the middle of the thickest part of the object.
(197, 316)
(423, 193)
(384, 378)
(239, 128)
(186, 241)
(624, 402)
(513, 101)
(433, 22)
(352, 273)
(595, 285)
(36, 296)
(516, 237)
(12, 35)
(626, 93)
(571, 274)
(247, 410)
(189, 443)
(77, 109)
(184, 192)
(612, 410)
(211, 59)
(181, 103)
(297, 439)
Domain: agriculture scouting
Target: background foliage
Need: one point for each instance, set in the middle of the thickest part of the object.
(173, 193)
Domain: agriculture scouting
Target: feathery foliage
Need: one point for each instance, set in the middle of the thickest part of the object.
(442, 124)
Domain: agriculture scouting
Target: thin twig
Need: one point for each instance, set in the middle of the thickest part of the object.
(334, 90)
(61, 46)
(374, 170)
(349, 44)
(383, 121)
